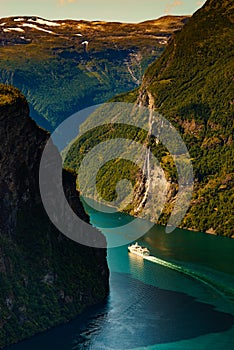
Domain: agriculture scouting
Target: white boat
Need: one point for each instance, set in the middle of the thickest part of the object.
(138, 250)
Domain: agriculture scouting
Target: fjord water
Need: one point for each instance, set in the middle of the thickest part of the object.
(183, 298)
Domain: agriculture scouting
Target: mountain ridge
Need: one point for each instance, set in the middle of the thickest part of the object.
(191, 84)
(45, 278)
(64, 66)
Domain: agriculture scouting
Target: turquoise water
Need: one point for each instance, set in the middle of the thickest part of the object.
(181, 298)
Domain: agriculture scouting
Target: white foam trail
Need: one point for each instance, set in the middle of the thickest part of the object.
(223, 290)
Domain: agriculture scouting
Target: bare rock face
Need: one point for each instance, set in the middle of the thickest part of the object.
(45, 279)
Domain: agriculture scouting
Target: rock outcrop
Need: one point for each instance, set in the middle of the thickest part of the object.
(45, 278)
(191, 85)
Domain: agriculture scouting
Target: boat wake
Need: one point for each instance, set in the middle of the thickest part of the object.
(218, 286)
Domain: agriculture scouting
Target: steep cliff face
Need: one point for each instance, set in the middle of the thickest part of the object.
(191, 84)
(45, 278)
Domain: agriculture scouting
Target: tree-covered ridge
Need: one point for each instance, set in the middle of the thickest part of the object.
(65, 66)
(45, 278)
(196, 68)
(9, 95)
(191, 84)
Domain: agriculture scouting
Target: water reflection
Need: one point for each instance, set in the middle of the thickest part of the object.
(141, 315)
(135, 315)
(148, 304)
(193, 247)
(136, 262)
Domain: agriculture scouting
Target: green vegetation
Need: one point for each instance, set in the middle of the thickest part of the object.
(45, 278)
(59, 76)
(50, 279)
(9, 95)
(191, 84)
(117, 169)
(59, 86)
(198, 98)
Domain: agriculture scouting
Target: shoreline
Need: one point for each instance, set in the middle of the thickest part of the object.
(208, 232)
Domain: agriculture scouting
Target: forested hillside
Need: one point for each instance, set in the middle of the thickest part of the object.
(65, 66)
(45, 278)
(191, 84)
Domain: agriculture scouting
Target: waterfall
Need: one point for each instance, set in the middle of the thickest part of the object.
(146, 166)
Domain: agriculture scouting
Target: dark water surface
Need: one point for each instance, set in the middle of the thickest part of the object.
(183, 299)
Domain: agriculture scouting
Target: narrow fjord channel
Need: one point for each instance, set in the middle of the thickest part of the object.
(181, 298)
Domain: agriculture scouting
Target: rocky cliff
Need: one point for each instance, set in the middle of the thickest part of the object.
(45, 279)
(191, 85)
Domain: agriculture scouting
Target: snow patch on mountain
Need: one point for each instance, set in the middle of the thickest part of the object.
(20, 19)
(16, 29)
(44, 22)
(36, 27)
